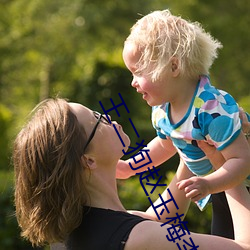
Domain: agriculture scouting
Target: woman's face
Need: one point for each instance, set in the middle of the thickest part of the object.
(105, 140)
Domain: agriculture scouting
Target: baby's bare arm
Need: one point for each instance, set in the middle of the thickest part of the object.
(159, 151)
(233, 168)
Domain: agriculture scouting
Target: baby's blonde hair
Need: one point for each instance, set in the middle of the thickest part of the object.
(161, 36)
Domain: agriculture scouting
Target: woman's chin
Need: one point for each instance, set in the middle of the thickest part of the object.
(127, 144)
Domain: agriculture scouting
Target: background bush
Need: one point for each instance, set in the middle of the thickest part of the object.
(73, 48)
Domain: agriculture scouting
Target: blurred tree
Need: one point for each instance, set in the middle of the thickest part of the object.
(10, 238)
(72, 48)
(228, 21)
(5, 123)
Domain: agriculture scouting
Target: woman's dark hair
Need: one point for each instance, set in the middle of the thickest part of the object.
(49, 179)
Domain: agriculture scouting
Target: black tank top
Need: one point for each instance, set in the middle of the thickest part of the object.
(102, 229)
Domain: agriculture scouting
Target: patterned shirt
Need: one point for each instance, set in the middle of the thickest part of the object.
(213, 115)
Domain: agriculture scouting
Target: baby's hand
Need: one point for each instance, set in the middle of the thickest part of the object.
(123, 170)
(194, 187)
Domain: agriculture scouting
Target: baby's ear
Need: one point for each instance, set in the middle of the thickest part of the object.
(175, 66)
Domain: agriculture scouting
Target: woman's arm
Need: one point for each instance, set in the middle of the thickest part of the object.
(153, 235)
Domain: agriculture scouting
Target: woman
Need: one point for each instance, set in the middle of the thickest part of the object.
(65, 187)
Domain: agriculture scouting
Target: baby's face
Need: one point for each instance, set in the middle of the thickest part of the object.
(131, 56)
(154, 93)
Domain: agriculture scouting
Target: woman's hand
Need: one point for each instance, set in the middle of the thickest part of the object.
(245, 124)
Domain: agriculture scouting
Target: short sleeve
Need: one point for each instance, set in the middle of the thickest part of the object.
(162, 136)
(159, 121)
(219, 120)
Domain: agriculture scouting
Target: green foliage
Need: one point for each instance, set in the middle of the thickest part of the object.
(245, 103)
(73, 48)
(5, 123)
(9, 231)
(228, 22)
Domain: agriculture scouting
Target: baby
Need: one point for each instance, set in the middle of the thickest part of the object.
(170, 59)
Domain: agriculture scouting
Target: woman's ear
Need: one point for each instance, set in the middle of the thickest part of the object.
(90, 161)
(175, 66)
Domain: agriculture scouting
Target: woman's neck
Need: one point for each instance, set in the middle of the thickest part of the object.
(102, 189)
